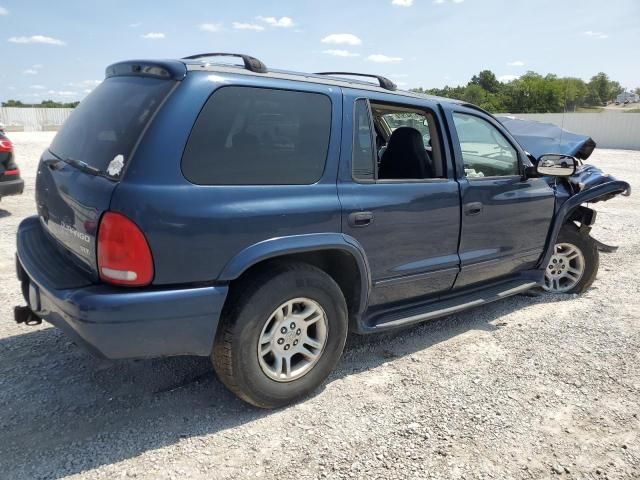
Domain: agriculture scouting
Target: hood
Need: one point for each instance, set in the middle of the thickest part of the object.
(539, 138)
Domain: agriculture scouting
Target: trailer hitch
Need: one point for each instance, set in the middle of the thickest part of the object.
(25, 315)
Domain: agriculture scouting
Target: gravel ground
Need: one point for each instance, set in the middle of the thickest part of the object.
(529, 387)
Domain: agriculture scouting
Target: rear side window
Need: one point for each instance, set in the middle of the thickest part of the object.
(110, 120)
(259, 136)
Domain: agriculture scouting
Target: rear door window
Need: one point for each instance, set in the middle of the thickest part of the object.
(108, 123)
(259, 136)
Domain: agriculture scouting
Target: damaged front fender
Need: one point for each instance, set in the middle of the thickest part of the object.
(588, 177)
(588, 185)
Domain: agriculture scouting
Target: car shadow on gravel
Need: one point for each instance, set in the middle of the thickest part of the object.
(4, 213)
(64, 411)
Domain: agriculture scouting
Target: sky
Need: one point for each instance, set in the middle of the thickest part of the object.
(59, 49)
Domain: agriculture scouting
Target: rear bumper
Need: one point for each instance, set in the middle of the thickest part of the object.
(11, 187)
(116, 322)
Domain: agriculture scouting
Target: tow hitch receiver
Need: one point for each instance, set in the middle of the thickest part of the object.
(25, 315)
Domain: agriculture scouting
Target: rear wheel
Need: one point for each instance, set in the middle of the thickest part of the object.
(574, 263)
(282, 335)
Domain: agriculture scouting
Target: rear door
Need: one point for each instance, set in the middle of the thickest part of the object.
(505, 216)
(408, 227)
(79, 172)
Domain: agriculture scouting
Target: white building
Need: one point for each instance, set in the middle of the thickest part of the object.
(630, 96)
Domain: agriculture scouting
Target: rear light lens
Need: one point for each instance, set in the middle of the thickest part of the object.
(5, 145)
(14, 171)
(124, 257)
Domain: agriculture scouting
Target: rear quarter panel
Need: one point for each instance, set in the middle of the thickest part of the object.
(194, 230)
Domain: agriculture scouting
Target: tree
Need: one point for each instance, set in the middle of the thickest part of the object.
(13, 103)
(43, 104)
(532, 92)
(487, 80)
(575, 91)
(607, 90)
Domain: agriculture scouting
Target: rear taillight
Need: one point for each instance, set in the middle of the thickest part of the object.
(124, 257)
(14, 171)
(5, 145)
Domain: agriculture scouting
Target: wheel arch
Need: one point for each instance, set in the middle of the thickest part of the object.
(340, 256)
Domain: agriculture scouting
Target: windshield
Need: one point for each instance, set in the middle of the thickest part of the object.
(408, 119)
(107, 124)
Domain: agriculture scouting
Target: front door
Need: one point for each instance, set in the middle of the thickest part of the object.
(408, 227)
(505, 217)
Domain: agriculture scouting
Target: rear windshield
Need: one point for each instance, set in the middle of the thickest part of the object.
(109, 121)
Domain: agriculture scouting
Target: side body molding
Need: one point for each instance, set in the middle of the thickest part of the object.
(313, 242)
(607, 189)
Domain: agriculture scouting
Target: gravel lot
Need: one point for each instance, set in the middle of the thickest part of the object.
(530, 387)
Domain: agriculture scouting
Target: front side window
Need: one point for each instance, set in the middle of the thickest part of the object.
(259, 136)
(485, 150)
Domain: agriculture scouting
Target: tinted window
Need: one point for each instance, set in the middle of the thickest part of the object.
(259, 136)
(362, 159)
(110, 120)
(485, 151)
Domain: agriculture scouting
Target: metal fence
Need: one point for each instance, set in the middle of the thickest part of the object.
(33, 119)
(608, 129)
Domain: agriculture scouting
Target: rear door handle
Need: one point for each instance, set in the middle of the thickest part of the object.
(360, 219)
(473, 208)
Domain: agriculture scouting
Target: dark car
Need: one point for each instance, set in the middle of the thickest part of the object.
(257, 216)
(10, 181)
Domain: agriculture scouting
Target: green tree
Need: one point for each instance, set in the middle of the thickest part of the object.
(575, 92)
(13, 103)
(487, 80)
(43, 104)
(532, 92)
(607, 90)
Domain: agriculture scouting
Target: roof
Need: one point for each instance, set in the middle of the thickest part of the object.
(177, 69)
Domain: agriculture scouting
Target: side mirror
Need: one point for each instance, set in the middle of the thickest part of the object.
(557, 165)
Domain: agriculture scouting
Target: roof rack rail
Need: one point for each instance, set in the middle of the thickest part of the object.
(250, 63)
(383, 81)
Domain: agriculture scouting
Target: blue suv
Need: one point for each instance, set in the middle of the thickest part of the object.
(257, 216)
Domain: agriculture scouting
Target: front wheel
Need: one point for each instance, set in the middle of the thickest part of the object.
(282, 335)
(574, 263)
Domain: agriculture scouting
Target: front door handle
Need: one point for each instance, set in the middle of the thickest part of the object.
(360, 219)
(473, 208)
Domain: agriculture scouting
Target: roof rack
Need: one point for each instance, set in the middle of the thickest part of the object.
(383, 81)
(250, 63)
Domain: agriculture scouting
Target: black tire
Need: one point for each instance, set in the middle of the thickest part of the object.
(570, 234)
(252, 301)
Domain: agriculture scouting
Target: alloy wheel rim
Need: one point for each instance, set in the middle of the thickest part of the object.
(565, 268)
(293, 339)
